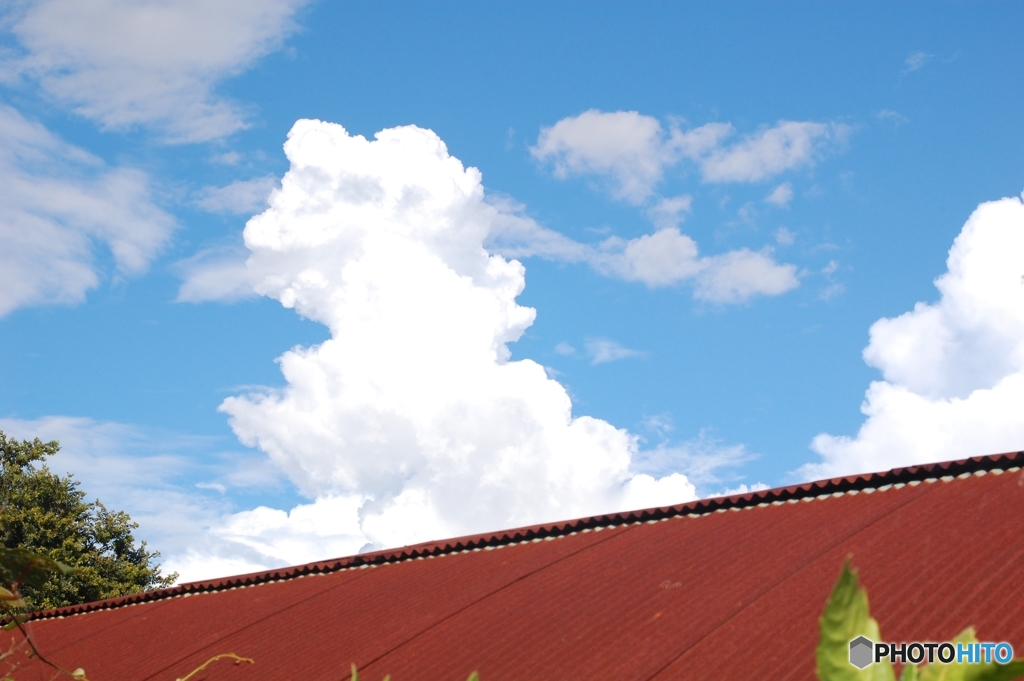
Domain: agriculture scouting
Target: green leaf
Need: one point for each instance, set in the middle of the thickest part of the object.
(10, 601)
(1001, 672)
(845, 618)
(475, 676)
(21, 566)
(965, 671)
(954, 671)
(909, 673)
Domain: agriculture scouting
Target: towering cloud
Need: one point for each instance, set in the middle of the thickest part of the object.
(953, 370)
(413, 408)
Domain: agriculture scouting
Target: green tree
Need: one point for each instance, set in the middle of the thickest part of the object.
(43, 512)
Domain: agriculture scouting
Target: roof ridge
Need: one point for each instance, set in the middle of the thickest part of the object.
(819, 488)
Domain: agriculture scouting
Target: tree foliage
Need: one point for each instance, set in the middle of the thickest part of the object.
(45, 513)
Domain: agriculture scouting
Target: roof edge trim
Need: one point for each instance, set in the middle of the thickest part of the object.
(896, 476)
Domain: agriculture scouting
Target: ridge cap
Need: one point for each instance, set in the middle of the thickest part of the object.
(512, 536)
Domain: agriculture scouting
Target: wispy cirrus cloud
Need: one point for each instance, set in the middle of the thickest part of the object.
(59, 208)
(219, 273)
(164, 480)
(604, 350)
(125, 63)
(215, 274)
(244, 197)
(916, 60)
(895, 118)
(705, 460)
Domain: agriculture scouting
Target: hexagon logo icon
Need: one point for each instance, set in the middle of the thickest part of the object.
(861, 649)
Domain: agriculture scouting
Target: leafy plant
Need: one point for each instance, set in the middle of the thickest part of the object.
(47, 514)
(20, 567)
(846, 617)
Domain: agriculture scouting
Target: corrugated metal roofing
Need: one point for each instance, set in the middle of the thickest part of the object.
(725, 588)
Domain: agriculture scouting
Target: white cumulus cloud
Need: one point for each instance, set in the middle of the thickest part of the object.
(737, 276)
(633, 150)
(953, 370)
(781, 195)
(413, 406)
(626, 145)
(765, 154)
(784, 237)
(262, 538)
(154, 63)
(58, 205)
(668, 213)
(666, 257)
(660, 259)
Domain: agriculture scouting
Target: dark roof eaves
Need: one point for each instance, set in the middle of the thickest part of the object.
(455, 545)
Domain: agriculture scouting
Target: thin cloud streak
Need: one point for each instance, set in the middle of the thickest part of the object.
(244, 197)
(604, 350)
(58, 206)
(126, 63)
(664, 258)
(916, 60)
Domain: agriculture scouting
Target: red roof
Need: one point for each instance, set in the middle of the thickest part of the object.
(725, 588)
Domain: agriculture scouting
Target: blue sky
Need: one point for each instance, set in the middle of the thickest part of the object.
(821, 159)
